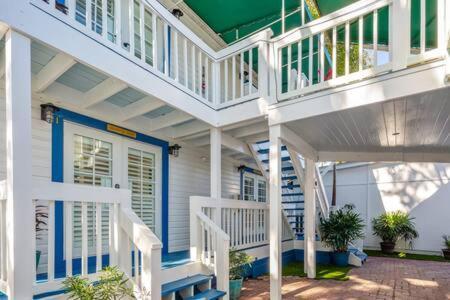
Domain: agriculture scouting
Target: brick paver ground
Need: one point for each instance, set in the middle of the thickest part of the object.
(379, 278)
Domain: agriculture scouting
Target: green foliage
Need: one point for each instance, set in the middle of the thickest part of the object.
(238, 261)
(112, 285)
(403, 255)
(342, 227)
(446, 241)
(392, 226)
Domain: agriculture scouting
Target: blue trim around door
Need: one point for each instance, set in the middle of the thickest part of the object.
(58, 176)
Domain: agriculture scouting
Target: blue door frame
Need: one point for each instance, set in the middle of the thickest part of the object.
(58, 176)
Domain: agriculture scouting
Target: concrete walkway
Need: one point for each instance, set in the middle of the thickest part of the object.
(379, 278)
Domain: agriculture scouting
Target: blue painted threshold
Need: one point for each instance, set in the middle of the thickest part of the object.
(175, 259)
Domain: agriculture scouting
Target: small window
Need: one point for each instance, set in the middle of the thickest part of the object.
(254, 187)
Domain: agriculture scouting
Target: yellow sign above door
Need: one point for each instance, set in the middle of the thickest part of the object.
(121, 131)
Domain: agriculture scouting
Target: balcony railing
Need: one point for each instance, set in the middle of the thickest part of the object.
(346, 46)
(99, 229)
(146, 33)
(359, 41)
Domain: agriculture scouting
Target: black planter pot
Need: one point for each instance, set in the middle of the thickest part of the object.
(387, 247)
(446, 253)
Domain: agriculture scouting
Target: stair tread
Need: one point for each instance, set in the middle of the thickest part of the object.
(181, 284)
(208, 294)
(291, 194)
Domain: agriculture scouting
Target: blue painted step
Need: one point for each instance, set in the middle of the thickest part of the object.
(291, 194)
(290, 209)
(266, 151)
(184, 283)
(283, 169)
(363, 256)
(292, 202)
(284, 158)
(208, 295)
(292, 186)
(292, 177)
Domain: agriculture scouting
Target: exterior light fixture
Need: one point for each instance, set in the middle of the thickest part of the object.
(174, 150)
(177, 13)
(47, 112)
(241, 168)
(396, 133)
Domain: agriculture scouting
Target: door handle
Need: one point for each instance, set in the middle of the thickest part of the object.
(117, 186)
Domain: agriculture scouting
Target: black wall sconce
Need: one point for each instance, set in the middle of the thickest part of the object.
(47, 112)
(174, 150)
(177, 13)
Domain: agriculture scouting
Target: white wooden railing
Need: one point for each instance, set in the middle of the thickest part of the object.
(320, 45)
(321, 194)
(98, 222)
(148, 34)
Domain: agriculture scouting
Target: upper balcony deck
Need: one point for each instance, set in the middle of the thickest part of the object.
(143, 45)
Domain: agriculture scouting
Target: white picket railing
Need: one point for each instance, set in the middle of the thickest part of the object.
(308, 57)
(98, 222)
(147, 33)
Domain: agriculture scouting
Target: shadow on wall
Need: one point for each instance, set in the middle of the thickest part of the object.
(421, 189)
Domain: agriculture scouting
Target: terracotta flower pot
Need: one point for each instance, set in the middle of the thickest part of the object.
(387, 247)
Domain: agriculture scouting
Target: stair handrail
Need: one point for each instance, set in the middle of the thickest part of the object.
(148, 245)
(211, 245)
(287, 231)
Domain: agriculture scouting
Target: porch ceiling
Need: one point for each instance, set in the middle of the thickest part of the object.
(59, 79)
(417, 124)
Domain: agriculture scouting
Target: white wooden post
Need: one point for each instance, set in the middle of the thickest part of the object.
(195, 231)
(216, 171)
(151, 279)
(222, 264)
(399, 39)
(310, 219)
(275, 211)
(19, 207)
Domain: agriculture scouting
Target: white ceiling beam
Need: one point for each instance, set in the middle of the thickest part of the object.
(291, 139)
(189, 129)
(251, 130)
(140, 107)
(55, 68)
(173, 118)
(429, 157)
(103, 91)
(235, 144)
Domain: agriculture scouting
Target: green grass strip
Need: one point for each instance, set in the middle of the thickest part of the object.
(322, 272)
(402, 255)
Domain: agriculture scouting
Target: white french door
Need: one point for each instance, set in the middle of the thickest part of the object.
(98, 158)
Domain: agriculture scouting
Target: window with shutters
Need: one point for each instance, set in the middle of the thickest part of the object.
(137, 28)
(96, 16)
(262, 190)
(110, 21)
(142, 180)
(92, 165)
(249, 188)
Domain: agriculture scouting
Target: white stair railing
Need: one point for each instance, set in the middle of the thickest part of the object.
(107, 227)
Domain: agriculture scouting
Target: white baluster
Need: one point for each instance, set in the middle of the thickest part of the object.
(68, 225)
(142, 30)
(299, 65)
(242, 73)
(200, 73)
(84, 239)
(166, 49)
(207, 79)
(288, 67)
(422, 26)
(105, 19)
(155, 40)
(226, 80)
(185, 62)
(193, 67)
(131, 25)
(175, 61)
(250, 71)
(51, 241)
(347, 48)
(360, 43)
(322, 56)
(233, 77)
(98, 234)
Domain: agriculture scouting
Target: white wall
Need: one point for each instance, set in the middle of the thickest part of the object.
(421, 189)
(188, 176)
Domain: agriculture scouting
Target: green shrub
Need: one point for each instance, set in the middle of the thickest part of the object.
(238, 261)
(392, 226)
(342, 227)
(112, 285)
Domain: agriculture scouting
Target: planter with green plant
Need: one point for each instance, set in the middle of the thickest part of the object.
(40, 218)
(111, 285)
(446, 251)
(341, 228)
(391, 227)
(238, 261)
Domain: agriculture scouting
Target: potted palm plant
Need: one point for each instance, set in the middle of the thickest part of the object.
(446, 251)
(391, 227)
(341, 228)
(239, 260)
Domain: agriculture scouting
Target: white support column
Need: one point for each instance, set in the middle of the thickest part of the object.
(310, 219)
(399, 38)
(19, 207)
(275, 211)
(216, 170)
